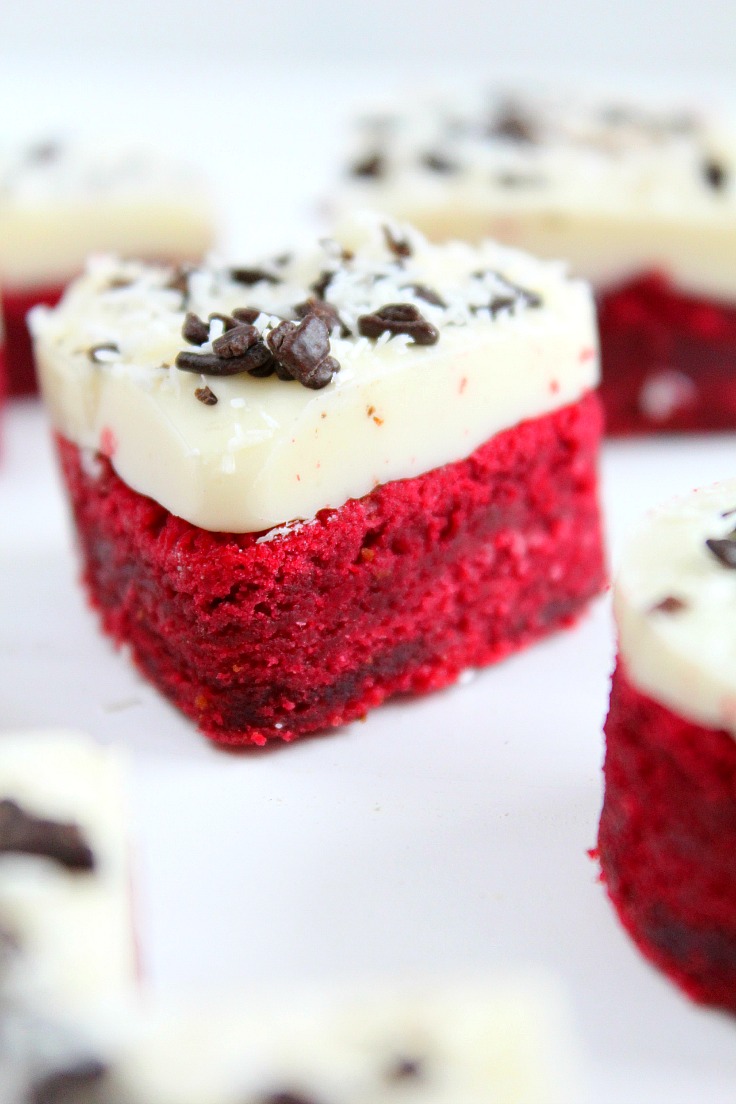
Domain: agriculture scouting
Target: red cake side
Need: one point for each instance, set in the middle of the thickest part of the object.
(667, 841)
(21, 373)
(397, 592)
(668, 359)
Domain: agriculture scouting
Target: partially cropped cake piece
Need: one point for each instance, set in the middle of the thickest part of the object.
(308, 484)
(60, 201)
(667, 836)
(79, 1027)
(641, 200)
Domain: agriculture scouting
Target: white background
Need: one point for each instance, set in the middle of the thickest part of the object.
(448, 834)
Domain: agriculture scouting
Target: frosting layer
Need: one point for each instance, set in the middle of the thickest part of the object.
(60, 202)
(614, 188)
(516, 339)
(672, 601)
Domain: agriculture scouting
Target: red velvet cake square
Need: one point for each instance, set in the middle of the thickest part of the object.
(667, 836)
(304, 486)
(60, 202)
(640, 199)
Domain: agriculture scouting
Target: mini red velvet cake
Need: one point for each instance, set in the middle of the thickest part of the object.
(667, 839)
(61, 201)
(640, 200)
(309, 484)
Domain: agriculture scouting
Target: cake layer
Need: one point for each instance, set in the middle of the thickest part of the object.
(307, 628)
(21, 373)
(668, 359)
(667, 840)
(65, 917)
(494, 338)
(615, 188)
(60, 201)
(676, 584)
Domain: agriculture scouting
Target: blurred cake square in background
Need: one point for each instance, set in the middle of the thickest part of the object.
(640, 199)
(60, 201)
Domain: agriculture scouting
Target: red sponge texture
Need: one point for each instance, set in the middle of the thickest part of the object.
(397, 592)
(667, 841)
(19, 353)
(668, 359)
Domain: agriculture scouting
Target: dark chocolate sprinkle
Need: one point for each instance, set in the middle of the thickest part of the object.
(321, 284)
(729, 513)
(371, 166)
(209, 364)
(106, 347)
(65, 1086)
(22, 833)
(670, 604)
(251, 276)
(512, 124)
(236, 341)
(246, 314)
(194, 330)
(323, 310)
(439, 163)
(427, 294)
(405, 1069)
(715, 173)
(119, 282)
(228, 321)
(399, 318)
(179, 280)
(724, 550)
(302, 352)
(209, 398)
(398, 246)
(505, 300)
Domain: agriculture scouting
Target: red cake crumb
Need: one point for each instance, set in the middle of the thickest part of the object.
(668, 359)
(21, 372)
(667, 841)
(397, 592)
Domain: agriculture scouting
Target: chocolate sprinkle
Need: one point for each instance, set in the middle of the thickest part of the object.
(715, 173)
(209, 364)
(105, 347)
(512, 124)
(65, 1086)
(321, 284)
(670, 604)
(22, 833)
(194, 330)
(405, 1069)
(724, 550)
(427, 294)
(236, 341)
(179, 280)
(209, 398)
(399, 318)
(370, 167)
(323, 310)
(437, 162)
(228, 322)
(398, 246)
(246, 314)
(286, 1097)
(251, 276)
(302, 352)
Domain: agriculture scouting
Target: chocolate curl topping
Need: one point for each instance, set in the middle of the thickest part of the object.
(303, 352)
(66, 1086)
(194, 330)
(399, 318)
(724, 550)
(22, 833)
(370, 167)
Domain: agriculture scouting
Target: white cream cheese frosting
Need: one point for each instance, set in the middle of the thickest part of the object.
(68, 931)
(616, 189)
(516, 340)
(61, 201)
(672, 602)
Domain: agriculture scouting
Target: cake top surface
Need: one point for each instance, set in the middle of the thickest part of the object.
(274, 390)
(676, 585)
(528, 149)
(69, 171)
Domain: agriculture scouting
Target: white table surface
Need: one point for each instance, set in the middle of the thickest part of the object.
(446, 835)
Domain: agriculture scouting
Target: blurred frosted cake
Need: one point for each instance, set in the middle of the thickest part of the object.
(78, 1027)
(667, 836)
(640, 200)
(60, 202)
(307, 484)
